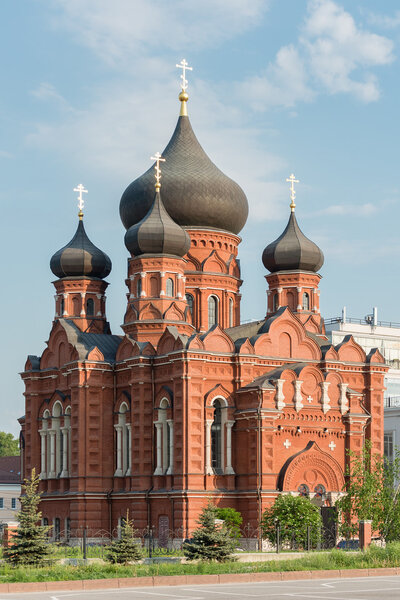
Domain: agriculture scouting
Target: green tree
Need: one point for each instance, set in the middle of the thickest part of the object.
(29, 545)
(373, 493)
(210, 541)
(9, 446)
(233, 520)
(294, 514)
(125, 549)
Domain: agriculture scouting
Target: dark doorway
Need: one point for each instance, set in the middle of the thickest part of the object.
(329, 526)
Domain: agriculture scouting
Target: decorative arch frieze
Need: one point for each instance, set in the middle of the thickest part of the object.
(311, 466)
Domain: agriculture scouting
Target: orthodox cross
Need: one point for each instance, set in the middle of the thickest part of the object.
(81, 189)
(332, 446)
(158, 158)
(292, 181)
(287, 444)
(185, 67)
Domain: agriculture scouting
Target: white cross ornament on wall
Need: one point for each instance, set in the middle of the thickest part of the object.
(332, 446)
(287, 444)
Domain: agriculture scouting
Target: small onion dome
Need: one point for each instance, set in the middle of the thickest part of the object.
(292, 251)
(195, 192)
(157, 233)
(80, 258)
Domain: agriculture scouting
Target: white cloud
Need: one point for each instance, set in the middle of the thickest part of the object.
(384, 20)
(332, 55)
(122, 31)
(363, 210)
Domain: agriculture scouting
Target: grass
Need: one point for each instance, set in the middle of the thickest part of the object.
(336, 559)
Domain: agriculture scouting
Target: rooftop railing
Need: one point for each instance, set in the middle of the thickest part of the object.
(361, 322)
(391, 402)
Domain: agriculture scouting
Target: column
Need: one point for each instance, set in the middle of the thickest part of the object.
(279, 292)
(343, 400)
(209, 470)
(279, 396)
(52, 472)
(325, 400)
(118, 471)
(170, 424)
(159, 469)
(43, 473)
(299, 299)
(64, 433)
(83, 304)
(298, 398)
(229, 469)
(129, 442)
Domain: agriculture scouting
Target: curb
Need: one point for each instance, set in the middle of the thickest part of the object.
(101, 584)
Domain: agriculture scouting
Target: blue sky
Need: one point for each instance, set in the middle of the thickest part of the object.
(89, 93)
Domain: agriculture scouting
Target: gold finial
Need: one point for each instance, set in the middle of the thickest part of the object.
(184, 96)
(292, 181)
(158, 158)
(81, 189)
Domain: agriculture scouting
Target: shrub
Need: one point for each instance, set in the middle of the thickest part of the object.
(125, 549)
(233, 520)
(294, 514)
(211, 541)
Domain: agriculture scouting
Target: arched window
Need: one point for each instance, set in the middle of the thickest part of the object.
(169, 287)
(275, 302)
(76, 305)
(190, 301)
(139, 287)
(212, 311)
(45, 445)
(56, 442)
(306, 301)
(123, 443)
(62, 307)
(303, 490)
(66, 446)
(230, 312)
(216, 439)
(164, 440)
(320, 490)
(57, 529)
(89, 307)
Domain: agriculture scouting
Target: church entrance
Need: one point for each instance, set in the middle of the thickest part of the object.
(329, 527)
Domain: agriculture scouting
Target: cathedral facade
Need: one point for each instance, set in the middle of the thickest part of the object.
(187, 403)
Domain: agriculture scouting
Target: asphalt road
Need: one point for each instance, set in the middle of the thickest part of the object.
(364, 588)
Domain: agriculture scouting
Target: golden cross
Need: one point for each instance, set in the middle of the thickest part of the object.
(81, 189)
(291, 179)
(158, 158)
(185, 67)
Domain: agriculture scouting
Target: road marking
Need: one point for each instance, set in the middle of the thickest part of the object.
(328, 585)
(227, 593)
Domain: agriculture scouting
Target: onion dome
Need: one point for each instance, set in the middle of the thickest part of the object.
(80, 258)
(292, 250)
(157, 233)
(195, 192)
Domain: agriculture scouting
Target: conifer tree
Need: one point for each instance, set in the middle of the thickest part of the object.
(210, 541)
(125, 549)
(29, 545)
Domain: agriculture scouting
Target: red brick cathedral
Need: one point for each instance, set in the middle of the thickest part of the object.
(188, 404)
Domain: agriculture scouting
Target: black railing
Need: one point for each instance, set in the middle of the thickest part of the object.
(361, 322)
(391, 402)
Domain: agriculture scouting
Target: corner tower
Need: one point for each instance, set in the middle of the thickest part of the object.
(80, 290)
(211, 207)
(293, 261)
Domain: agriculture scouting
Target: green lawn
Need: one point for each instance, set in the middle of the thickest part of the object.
(336, 559)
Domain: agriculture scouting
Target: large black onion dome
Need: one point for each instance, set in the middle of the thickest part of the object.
(157, 233)
(195, 192)
(292, 251)
(80, 258)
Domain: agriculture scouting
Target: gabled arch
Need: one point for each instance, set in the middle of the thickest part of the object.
(312, 325)
(311, 460)
(148, 349)
(167, 340)
(245, 347)
(218, 391)
(214, 263)
(173, 313)
(95, 354)
(125, 349)
(149, 313)
(193, 262)
(131, 314)
(349, 351)
(195, 343)
(330, 354)
(375, 356)
(216, 340)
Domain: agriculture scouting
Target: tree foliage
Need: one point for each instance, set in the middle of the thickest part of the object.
(9, 446)
(210, 541)
(373, 493)
(233, 520)
(294, 515)
(29, 545)
(126, 549)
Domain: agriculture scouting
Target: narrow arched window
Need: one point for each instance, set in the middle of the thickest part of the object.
(139, 287)
(62, 307)
(275, 303)
(303, 490)
(306, 301)
(230, 312)
(212, 311)
(216, 438)
(90, 307)
(190, 301)
(57, 529)
(169, 287)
